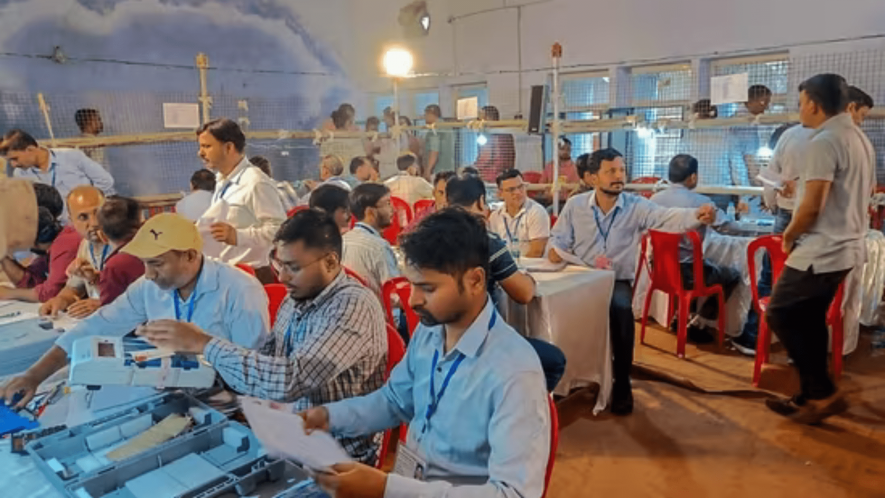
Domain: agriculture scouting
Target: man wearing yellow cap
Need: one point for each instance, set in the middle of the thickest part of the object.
(179, 283)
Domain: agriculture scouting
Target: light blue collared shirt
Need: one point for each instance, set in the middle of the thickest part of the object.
(679, 196)
(491, 427)
(229, 303)
(69, 168)
(577, 232)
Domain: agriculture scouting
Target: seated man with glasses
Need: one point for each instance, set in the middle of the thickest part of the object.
(521, 222)
(328, 343)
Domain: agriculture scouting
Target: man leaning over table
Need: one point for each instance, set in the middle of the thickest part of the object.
(469, 386)
(328, 341)
(603, 228)
(179, 283)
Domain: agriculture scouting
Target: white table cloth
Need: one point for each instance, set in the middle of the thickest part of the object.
(570, 310)
(22, 343)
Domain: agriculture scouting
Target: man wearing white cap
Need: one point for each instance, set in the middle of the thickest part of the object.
(179, 283)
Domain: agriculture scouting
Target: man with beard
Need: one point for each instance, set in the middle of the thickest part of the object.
(328, 341)
(365, 250)
(180, 286)
(469, 386)
(603, 228)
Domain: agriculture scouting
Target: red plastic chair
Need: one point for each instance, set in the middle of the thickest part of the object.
(774, 245)
(296, 209)
(553, 219)
(646, 180)
(276, 294)
(666, 276)
(402, 216)
(356, 276)
(402, 288)
(422, 206)
(554, 443)
(246, 268)
(396, 350)
(532, 176)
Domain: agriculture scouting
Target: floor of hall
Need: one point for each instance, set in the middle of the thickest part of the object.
(700, 430)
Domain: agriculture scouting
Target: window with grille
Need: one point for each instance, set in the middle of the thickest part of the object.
(772, 71)
(584, 96)
(467, 146)
(422, 99)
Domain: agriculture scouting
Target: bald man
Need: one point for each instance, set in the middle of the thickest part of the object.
(80, 297)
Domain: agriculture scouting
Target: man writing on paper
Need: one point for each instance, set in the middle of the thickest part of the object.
(179, 283)
(328, 341)
(246, 209)
(469, 386)
(603, 228)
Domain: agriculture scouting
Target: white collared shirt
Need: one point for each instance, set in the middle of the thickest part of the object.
(531, 223)
(409, 188)
(250, 202)
(786, 164)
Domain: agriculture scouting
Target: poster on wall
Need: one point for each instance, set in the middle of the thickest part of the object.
(468, 108)
(181, 115)
(729, 89)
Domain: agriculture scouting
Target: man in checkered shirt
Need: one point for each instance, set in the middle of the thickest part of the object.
(328, 343)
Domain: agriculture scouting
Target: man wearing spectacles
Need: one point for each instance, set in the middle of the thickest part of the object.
(521, 222)
(328, 341)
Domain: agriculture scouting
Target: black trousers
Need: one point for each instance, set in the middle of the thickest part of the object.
(797, 313)
(622, 330)
(726, 276)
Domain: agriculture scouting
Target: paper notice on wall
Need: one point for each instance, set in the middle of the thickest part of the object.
(729, 89)
(468, 108)
(181, 115)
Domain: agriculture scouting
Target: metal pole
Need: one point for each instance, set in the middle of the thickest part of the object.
(396, 107)
(557, 55)
(205, 99)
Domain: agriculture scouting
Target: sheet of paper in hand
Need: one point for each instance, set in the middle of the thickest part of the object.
(282, 433)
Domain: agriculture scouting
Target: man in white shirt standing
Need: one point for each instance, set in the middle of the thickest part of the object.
(521, 222)
(407, 185)
(193, 205)
(246, 209)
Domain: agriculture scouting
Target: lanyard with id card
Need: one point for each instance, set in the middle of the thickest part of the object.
(602, 262)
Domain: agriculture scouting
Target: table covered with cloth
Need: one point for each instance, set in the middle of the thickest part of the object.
(570, 310)
(732, 251)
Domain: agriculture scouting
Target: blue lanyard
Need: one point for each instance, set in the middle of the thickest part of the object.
(288, 336)
(190, 304)
(223, 191)
(515, 227)
(434, 399)
(367, 228)
(605, 233)
(99, 265)
(54, 169)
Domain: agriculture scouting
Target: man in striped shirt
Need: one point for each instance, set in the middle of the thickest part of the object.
(328, 342)
(365, 250)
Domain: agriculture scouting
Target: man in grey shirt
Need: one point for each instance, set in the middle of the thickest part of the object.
(824, 242)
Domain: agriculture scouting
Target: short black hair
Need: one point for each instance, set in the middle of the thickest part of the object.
(465, 191)
(48, 228)
(433, 109)
(203, 179)
(778, 132)
(757, 92)
(507, 174)
(829, 91)
(443, 176)
(468, 171)
(593, 162)
(859, 97)
(705, 109)
(365, 196)
(49, 198)
(82, 117)
(491, 113)
(682, 167)
(261, 163)
(329, 198)
(373, 120)
(563, 140)
(119, 218)
(451, 241)
(358, 161)
(406, 161)
(314, 228)
(16, 140)
(225, 130)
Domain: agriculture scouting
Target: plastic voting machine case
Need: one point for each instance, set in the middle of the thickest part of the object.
(214, 458)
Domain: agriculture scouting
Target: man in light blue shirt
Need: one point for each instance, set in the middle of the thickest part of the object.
(683, 176)
(603, 229)
(64, 169)
(179, 283)
(470, 387)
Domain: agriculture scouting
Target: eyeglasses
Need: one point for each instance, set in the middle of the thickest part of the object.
(279, 267)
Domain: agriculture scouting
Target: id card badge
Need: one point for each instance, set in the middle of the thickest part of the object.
(603, 263)
(409, 463)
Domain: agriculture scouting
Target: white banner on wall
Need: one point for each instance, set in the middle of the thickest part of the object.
(181, 115)
(729, 89)
(468, 108)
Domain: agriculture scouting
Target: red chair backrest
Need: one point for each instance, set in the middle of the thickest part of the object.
(645, 180)
(294, 210)
(774, 245)
(402, 216)
(246, 268)
(276, 294)
(396, 349)
(532, 176)
(423, 205)
(402, 288)
(554, 443)
(553, 219)
(356, 276)
(666, 273)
